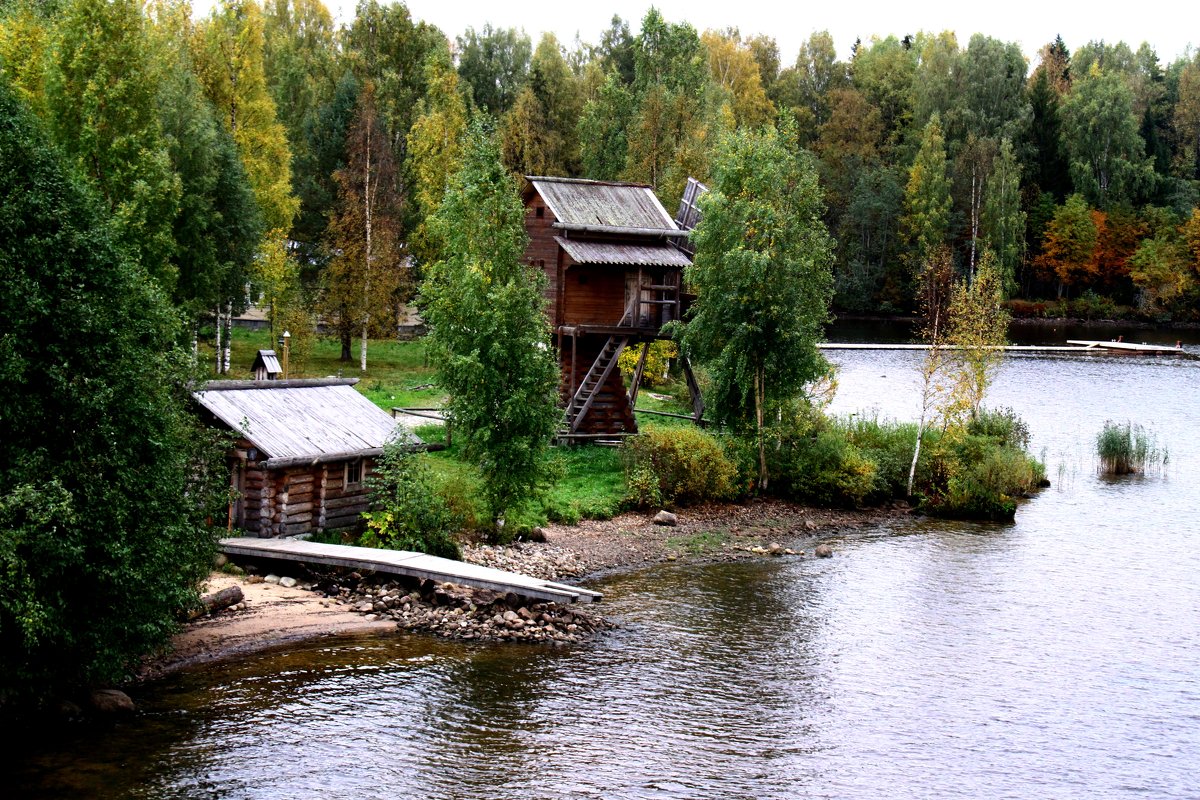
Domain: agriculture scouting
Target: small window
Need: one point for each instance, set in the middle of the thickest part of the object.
(354, 470)
(539, 212)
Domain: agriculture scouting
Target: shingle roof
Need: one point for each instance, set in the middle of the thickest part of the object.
(641, 255)
(286, 419)
(269, 361)
(620, 205)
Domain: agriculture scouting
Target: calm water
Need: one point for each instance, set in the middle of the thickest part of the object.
(1058, 657)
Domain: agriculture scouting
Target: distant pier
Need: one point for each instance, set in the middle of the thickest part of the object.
(1072, 347)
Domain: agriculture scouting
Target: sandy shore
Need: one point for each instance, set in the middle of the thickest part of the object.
(272, 615)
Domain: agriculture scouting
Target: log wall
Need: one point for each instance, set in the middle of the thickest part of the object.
(306, 499)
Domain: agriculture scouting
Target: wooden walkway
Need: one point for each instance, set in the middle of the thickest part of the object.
(415, 565)
(1073, 346)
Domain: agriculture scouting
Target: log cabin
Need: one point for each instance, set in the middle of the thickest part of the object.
(613, 260)
(302, 452)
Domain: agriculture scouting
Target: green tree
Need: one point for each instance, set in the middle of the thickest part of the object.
(489, 337)
(101, 95)
(218, 228)
(540, 134)
(106, 482)
(435, 146)
(1003, 217)
(323, 155)
(363, 237)
(1105, 150)
(603, 130)
(229, 61)
(493, 64)
(763, 282)
(1161, 271)
(927, 202)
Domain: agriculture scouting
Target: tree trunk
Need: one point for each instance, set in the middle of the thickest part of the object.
(344, 336)
(217, 365)
(228, 333)
(362, 350)
(759, 392)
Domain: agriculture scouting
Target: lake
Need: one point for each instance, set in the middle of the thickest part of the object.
(1056, 657)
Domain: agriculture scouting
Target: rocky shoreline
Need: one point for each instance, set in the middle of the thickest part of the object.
(280, 608)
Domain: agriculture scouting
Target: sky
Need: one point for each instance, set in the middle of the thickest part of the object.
(1029, 23)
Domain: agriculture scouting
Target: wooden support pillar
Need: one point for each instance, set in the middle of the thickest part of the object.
(321, 497)
(637, 377)
(693, 389)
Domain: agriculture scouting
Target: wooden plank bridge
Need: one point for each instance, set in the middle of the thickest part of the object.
(406, 563)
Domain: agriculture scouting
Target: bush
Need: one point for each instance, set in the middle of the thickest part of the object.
(1126, 449)
(408, 513)
(1003, 425)
(889, 445)
(974, 477)
(814, 461)
(677, 466)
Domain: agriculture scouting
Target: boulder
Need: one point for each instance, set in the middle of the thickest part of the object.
(775, 549)
(665, 518)
(824, 551)
(287, 581)
(111, 701)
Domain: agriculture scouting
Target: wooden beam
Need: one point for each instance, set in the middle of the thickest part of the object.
(637, 375)
(693, 389)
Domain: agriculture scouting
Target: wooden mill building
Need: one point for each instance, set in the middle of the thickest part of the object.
(303, 451)
(614, 259)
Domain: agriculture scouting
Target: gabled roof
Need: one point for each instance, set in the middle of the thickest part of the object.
(604, 204)
(268, 360)
(582, 251)
(316, 419)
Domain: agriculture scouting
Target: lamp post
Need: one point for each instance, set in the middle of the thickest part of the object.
(287, 340)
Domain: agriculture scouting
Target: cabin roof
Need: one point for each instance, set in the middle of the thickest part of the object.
(605, 204)
(287, 419)
(638, 255)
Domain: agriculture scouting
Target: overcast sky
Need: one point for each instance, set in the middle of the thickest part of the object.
(1031, 24)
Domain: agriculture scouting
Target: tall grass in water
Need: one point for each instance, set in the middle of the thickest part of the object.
(1126, 449)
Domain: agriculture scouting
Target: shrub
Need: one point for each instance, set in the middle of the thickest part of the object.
(654, 373)
(889, 446)
(975, 477)
(1125, 449)
(814, 461)
(677, 466)
(1003, 425)
(408, 513)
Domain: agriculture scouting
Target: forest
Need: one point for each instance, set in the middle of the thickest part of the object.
(263, 146)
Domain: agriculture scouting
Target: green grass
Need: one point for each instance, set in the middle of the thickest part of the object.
(699, 544)
(591, 484)
(394, 369)
(1126, 449)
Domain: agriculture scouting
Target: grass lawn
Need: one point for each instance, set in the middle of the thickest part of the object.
(589, 480)
(394, 369)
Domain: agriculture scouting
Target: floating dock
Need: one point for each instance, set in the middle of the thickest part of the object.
(406, 563)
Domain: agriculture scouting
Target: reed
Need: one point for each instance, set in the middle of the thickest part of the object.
(1126, 448)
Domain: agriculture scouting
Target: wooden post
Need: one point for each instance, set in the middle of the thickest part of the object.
(637, 376)
(693, 389)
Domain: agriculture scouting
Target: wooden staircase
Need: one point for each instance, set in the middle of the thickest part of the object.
(594, 382)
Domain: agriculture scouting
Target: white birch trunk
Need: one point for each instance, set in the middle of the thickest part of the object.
(228, 334)
(217, 365)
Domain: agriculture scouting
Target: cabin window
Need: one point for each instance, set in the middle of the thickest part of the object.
(539, 212)
(354, 470)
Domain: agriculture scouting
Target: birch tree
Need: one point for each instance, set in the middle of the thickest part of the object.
(364, 270)
(763, 282)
